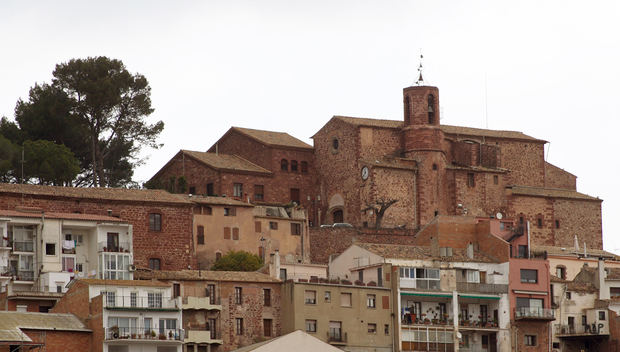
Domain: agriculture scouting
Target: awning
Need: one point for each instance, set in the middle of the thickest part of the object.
(478, 297)
(426, 294)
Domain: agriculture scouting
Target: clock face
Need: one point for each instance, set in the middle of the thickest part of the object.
(365, 172)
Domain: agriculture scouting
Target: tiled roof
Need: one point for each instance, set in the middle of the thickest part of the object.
(119, 194)
(470, 131)
(64, 216)
(217, 201)
(11, 324)
(280, 139)
(581, 287)
(392, 163)
(393, 251)
(550, 192)
(143, 283)
(557, 279)
(570, 251)
(361, 121)
(225, 161)
(209, 275)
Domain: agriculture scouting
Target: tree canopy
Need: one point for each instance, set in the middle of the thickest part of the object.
(97, 109)
(238, 261)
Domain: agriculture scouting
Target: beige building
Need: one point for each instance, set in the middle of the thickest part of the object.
(224, 224)
(351, 317)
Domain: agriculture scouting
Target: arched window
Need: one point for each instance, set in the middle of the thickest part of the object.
(284, 165)
(431, 109)
(294, 165)
(338, 216)
(335, 143)
(407, 109)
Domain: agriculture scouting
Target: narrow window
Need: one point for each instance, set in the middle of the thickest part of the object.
(267, 297)
(259, 192)
(218, 256)
(601, 315)
(176, 290)
(471, 180)
(335, 143)
(530, 340)
(226, 233)
(154, 222)
(310, 325)
(238, 190)
(371, 301)
(210, 191)
(50, 248)
(230, 212)
(407, 104)
(294, 165)
(211, 293)
(239, 326)
(295, 228)
(201, 235)
(557, 224)
(257, 226)
(495, 179)
(154, 264)
(295, 197)
(273, 225)
(539, 221)
(431, 109)
(284, 165)
(386, 329)
(235, 233)
(238, 295)
(434, 166)
(304, 167)
(328, 296)
(310, 297)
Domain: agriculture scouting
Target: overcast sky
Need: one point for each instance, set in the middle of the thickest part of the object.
(551, 68)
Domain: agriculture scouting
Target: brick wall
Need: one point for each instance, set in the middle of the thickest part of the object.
(172, 244)
(558, 178)
(61, 341)
(538, 329)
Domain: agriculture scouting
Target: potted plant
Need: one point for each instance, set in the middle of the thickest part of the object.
(153, 334)
(170, 334)
(133, 335)
(114, 331)
(162, 336)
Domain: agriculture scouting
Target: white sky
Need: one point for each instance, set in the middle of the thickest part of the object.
(552, 68)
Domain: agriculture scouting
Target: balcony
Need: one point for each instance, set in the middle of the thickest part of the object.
(24, 275)
(140, 303)
(200, 303)
(420, 284)
(203, 336)
(336, 337)
(23, 246)
(534, 313)
(562, 330)
(481, 288)
(123, 247)
(142, 334)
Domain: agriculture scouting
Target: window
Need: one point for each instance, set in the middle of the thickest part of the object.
(560, 271)
(360, 275)
(235, 233)
(335, 331)
(434, 167)
(267, 297)
(471, 181)
(328, 296)
(257, 226)
(218, 256)
(431, 109)
(68, 264)
(110, 298)
(345, 300)
(424, 278)
(495, 179)
(304, 167)
(154, 264)
(58, 288)
(273, 225)
(176, 290)
(211, 293)
(372, 328)
(530, 306)
(115, 266)
(112, 242)
(227, 233)
(210, 189)
(154, 222)
(584, 320)
(133, 299)
(295, 197)
(238, 190)
(154, 299)
(230, 211)
(601, 315)
(568, 295)
(192, 190)
(212, 328)
(539, 221)
(335, 144)
(259, 192)
(614, 291)
(207, 210)
(295, 228)
(239, 326)
(310, 297)
(371, 301)
(238, 295)
(473, 276)
(201, 235)
(386, 329)
(284, 165)
(557, 224)
(294, 165)
(529, 276)
(310, 325)
(50, 248)
(283, 274)
(267, 323)
(522, 251)
(530, 340)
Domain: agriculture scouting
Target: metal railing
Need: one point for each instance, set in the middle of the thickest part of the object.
(197, 335)
(482, 288)
(156, 302)
(336, 335)
(123, 247)
(565, 329)
(534, 313)
(137, 333)
(23, 246)
(25, 275)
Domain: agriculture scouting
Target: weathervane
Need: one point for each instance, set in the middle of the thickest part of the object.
(420, 80)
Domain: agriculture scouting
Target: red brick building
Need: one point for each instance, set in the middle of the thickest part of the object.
(162, 222)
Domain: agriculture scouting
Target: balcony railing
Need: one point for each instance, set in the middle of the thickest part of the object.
(133, 302)
(136, 333)
(534, 313)
(123, 247)
(203, 336)
(23, 246)
(569, 330)
(482, 288)
(336, 336)
(191, 302)
(24, 275)
(421, 284)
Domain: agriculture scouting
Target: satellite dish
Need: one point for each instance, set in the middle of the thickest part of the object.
(499, 216)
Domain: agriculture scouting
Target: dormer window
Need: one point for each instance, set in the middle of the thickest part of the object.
(431, 109)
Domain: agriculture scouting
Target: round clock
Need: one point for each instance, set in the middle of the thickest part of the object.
(365, 173)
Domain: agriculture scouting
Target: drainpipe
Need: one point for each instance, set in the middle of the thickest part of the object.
(528, 241)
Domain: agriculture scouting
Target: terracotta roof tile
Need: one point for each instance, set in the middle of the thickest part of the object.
(361, 121)
(217, 201)
(470, 131)
(570, 251)
(208, 275)
(120, 194)
(143, 283)
(225, 161)
(280, 139)
(419, 252)
(11, 324)
(550, 192)
(64, 216)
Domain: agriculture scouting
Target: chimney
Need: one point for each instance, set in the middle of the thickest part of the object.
(603, 291)
(470, 251)
(276, 264)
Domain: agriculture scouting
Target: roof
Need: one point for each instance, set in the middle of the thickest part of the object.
(551, 192)
(11, 324)
(117, 194)
(362, 121)
(142, 283)
(42, 295)
(53, 215)
(613, 274)
(225, 161)
(207, 275)
(217, 201)
(276, 139)
(392, 163)
(570, 251)
(298, 340)
(393, 251)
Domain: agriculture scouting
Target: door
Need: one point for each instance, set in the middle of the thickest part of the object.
(112, 242)
(492, 343)
(338, 216)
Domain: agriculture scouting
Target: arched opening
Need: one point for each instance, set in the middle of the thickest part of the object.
(431, 109)
(284, 165)
(338, 216)
(407, 109)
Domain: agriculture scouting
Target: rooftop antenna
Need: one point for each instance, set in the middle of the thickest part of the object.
(420, 80)
(486, 104)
